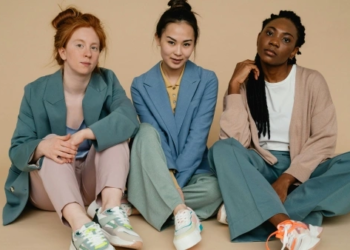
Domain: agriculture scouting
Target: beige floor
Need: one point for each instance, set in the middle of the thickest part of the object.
(39, 230)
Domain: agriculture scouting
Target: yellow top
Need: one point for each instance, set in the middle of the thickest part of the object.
(173, 90)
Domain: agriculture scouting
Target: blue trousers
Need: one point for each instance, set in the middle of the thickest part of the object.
(245, 182)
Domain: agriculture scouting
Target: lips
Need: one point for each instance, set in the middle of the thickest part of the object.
(176, 61)
(269, 52)
(86, 63)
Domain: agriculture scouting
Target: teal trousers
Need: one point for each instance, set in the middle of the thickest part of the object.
(152, 191)
(245, 182)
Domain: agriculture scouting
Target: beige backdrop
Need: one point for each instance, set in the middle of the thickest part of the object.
(228, 35)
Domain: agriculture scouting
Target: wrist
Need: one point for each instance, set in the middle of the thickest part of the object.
(88, 134)
(234, 87)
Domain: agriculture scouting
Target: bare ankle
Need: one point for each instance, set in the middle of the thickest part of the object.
(179, 208)
(278, 218)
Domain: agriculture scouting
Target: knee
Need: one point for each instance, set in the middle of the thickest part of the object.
(147, 133)
(213, 191)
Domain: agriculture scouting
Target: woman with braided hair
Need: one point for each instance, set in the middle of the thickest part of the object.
(275, 162)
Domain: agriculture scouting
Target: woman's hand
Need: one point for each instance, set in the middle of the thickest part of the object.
(77, 138)
(240, 75)
(282, 184)
(56, 148)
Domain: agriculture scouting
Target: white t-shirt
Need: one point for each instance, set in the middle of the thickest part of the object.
(280, 101)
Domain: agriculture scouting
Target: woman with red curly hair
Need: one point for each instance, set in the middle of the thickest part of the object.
(70, 143)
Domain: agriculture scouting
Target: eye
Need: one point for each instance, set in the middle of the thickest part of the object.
(187, 44)
(286, 39)
(269, 33)
(171, 42)
(79, 45)
(95, 48)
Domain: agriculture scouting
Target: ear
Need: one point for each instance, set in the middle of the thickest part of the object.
(295, 51)
(62, 52)
(157, 39)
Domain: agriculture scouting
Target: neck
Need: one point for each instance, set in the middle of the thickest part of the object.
(275, 74)
(171, 74)
(74, 83)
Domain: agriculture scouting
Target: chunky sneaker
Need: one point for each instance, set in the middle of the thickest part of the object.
(222, 216)
(89, 237)
(296, 235)
(93, 207)
(187, 229)
(117, 229)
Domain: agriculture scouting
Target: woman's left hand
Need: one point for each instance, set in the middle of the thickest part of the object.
(77, 138)
(282, 184)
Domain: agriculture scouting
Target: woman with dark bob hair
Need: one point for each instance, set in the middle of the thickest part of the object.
(275, 162)
(70, 143)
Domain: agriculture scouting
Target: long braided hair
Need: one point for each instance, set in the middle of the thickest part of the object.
(256, 95)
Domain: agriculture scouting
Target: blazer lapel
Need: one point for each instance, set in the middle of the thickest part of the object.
(55, 104)
(155, 87)
(94, 98)
(188, 86)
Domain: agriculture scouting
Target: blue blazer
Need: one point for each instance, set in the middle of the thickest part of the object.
(107, 112)
(183, 133)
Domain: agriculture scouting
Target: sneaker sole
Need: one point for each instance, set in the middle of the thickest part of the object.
(221, 218)
(72, 247)
(310, 245)
(118, 242)
(188, 241)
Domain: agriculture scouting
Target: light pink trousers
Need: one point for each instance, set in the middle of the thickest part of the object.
(56, 185)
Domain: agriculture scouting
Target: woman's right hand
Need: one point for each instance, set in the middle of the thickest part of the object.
(56, 148)
(241, 74)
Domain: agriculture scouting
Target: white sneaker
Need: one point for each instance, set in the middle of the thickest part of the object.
(117, 229)
(187, 229)
(296, 235)
(222, 216)
(93, 207)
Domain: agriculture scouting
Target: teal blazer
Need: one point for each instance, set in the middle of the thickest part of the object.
(107, 112)
(183, 134)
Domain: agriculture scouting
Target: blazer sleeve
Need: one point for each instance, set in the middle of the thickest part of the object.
(323, 133)
(24, 140)
(196, 143)
(146, 116)
(234, 120)
(120, 124)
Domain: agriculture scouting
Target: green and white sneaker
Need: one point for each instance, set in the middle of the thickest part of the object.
(89, 237)
(117, 229)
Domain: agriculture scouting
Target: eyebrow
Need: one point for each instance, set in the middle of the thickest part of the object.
(80, 40)
(285, 33)
(188, 40)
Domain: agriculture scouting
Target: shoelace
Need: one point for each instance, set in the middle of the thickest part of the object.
(283, 230)
(182, 218)
(122, 216)
(94, 235)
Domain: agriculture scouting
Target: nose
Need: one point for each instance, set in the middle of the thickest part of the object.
(87, 52)
(178, 50)
(274, 42)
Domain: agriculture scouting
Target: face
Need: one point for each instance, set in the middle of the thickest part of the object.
(176, 45)
(81, 52)
(276, 42)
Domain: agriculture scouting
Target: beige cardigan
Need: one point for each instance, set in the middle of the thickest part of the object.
(312, 131)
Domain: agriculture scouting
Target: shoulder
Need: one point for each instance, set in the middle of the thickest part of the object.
(202, 72)
(108, 75)
(310, 76)
(39, 85)
(151, 75)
